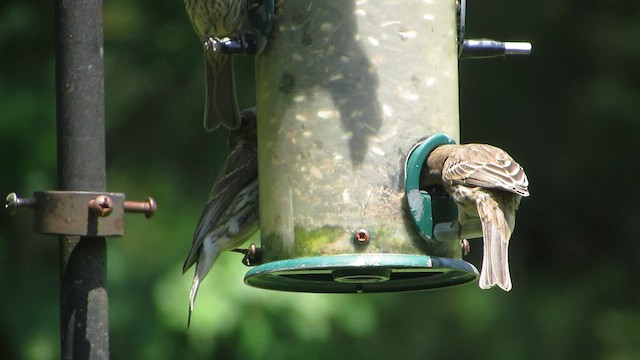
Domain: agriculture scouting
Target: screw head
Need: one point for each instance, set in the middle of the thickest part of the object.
(101, 205)
(152, 208)
(14, 202)
(11, 203)
(362, 236)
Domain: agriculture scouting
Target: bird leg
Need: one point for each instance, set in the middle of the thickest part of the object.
(464, 243)
(252, 255)
(466, 247)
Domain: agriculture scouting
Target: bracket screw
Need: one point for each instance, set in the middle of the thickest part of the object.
(13, 202)
(148, 208)
(101, 205)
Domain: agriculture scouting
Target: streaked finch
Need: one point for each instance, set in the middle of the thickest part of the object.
(230, 216)
(485, 183)
(218, 18)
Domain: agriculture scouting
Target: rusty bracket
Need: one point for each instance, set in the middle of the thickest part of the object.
(79, 213)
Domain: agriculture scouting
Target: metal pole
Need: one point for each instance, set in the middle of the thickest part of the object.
(84, 323)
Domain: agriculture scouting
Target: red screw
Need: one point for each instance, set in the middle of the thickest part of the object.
(362, 236)
(101, 205)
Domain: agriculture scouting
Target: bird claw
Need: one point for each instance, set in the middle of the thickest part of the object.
(213, 44)
(252, 255)
(242, 43)
(466, 247)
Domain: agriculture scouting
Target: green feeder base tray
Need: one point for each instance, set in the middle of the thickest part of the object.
(363, 273)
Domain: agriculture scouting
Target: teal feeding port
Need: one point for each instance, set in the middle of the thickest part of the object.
(345, 91)
(420, 202)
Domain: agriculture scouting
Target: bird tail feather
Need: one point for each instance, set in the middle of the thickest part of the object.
(221, 104)
(496, 233)
(208, 256)
(192, 296)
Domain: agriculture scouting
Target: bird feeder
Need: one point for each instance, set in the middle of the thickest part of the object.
(351, 97)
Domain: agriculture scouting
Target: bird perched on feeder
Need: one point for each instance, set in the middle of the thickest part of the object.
(485, 183)
(218, 19)
(230, 216)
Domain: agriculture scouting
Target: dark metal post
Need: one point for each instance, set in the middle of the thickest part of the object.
(84, 323)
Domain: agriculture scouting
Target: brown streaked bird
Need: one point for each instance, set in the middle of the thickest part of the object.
(218, 18)
(485, 183)
(230, 216)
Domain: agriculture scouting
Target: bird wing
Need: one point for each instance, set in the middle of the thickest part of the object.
(485, 166)
(238, 171)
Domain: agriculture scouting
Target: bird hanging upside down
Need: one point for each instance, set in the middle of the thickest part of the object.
(230, 216)
(218, 18)
(485, 183)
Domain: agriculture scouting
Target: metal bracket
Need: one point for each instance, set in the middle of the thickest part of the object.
(461, 10)
(484, 48)
(79, 213)
(260, 14)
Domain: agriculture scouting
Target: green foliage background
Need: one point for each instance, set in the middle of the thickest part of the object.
(569, 113)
